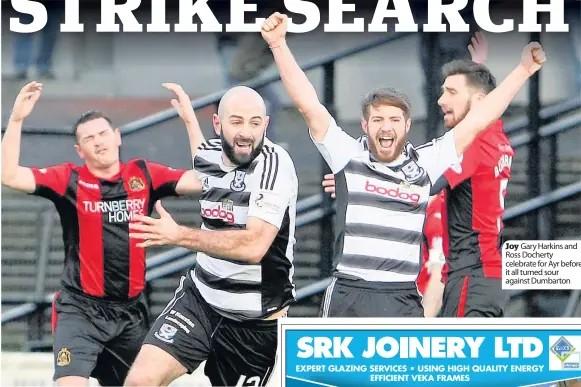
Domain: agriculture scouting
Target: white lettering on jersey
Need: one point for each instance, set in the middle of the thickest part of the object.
(118, 211)
(505, 161)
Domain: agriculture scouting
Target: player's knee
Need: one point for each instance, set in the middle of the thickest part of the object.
(66, 381)
(138, 376)
(153, 367)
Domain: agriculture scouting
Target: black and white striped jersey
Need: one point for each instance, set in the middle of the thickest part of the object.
(267, 189)
(381, 207)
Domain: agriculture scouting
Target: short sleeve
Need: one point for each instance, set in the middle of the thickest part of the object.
(338, 147)
(51, 182)
(164, 179)
(438, 155)
(277, 186)
(465, 168)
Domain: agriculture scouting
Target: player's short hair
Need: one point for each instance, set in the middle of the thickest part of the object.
(386, 96)
(90, 116)
(477, 75)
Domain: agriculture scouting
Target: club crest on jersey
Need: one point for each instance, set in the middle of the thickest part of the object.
(238, 181)
(412, 171)
(63, 358)
(136, 184)
(166, 333)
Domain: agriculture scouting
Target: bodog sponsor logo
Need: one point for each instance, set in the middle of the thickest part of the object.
(218, 213)
(396, 193)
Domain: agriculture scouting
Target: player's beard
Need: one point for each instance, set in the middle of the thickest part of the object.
(240, 159)
(398, 148)
(460, 117)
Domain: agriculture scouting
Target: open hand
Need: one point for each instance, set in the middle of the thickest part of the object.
(182, 103)
(155, 232)
(479, 48)
(25, 101)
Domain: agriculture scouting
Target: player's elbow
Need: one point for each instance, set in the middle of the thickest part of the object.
(257, 249)
(256, 253)
(7, 178)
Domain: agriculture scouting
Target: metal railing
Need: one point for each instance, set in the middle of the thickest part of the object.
(158, 266)
(310, 210)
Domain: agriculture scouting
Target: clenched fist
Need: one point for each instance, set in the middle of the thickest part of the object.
(533, 57)
(274, 29)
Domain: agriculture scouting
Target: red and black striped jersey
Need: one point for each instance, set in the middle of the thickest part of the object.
(475, 204)
(100, 259)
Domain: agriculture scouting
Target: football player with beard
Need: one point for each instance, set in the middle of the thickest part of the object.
(383, 192)
(226, 307)
(475, 191)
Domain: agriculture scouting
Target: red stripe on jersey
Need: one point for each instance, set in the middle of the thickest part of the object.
(463, 298)
(90, 233)
(137, 187)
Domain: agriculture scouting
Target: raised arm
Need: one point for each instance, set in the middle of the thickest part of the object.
(298, 86)
(189, 182)
(13, 175)
(183, 105)
(491, 107)
(478, 48)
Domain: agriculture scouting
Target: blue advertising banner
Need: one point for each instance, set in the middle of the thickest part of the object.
(429, 352)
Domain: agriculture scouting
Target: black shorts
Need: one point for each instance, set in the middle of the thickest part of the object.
(473, 296)
(347, 298)
(95, 338)
(237, 353)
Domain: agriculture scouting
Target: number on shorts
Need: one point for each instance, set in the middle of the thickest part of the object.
(253, 381)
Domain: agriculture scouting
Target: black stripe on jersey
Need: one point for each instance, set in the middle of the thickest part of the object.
(204, 166)
(238, 262)
(425, 180)
(266, 160)
(271, 157)
(217, 194)
(431, 143)
(342, 194)
(270, 151)
(380, 264)
(275, 171)
(385, 203)
(363, 169)
(219, 224)
(226, 284)
(383, 233)
(209, 147)
(66, 207)
(215, 142)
